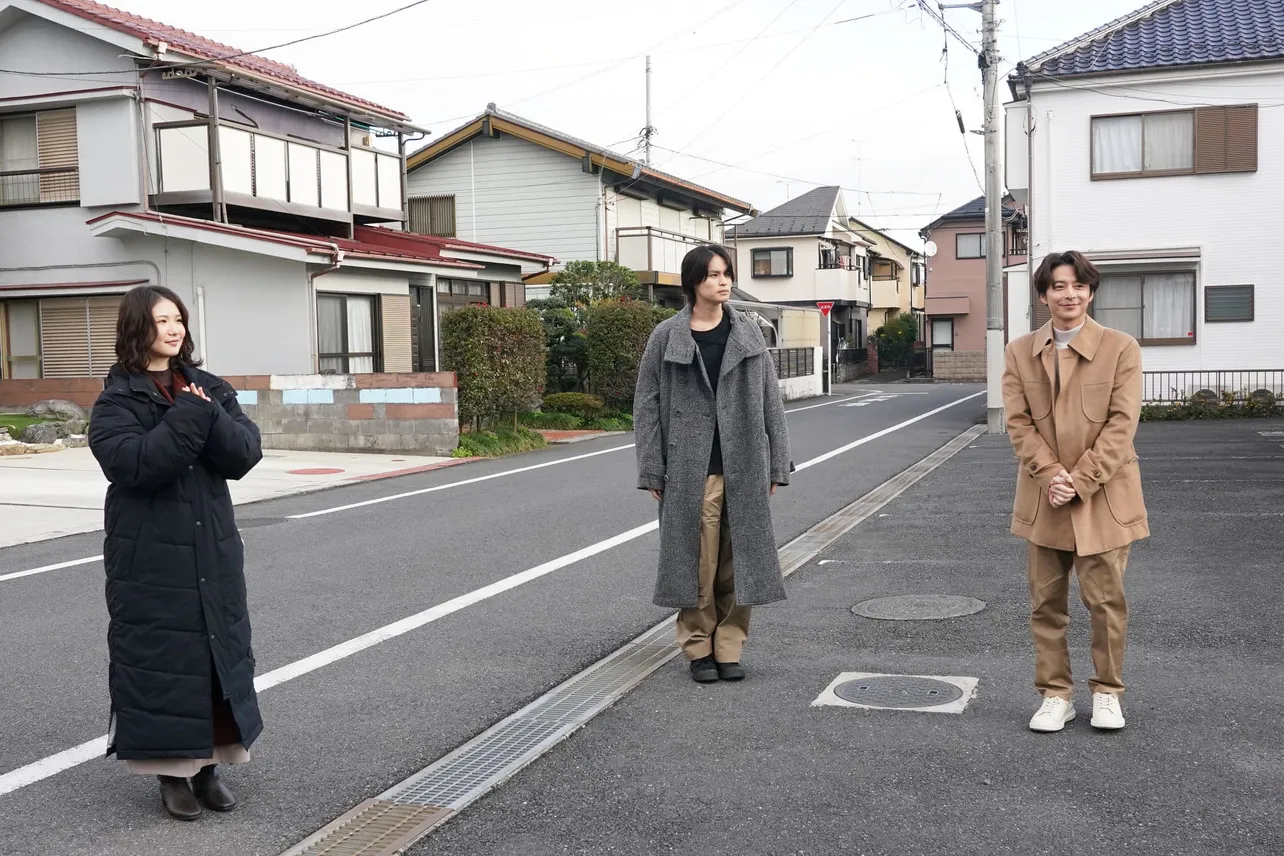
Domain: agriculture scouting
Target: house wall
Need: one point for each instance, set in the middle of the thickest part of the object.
(1226, 216)
(37, 45)
(807, 284)
(950, 276)
(516, 194)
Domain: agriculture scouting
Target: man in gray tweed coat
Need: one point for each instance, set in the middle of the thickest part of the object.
(712, 446)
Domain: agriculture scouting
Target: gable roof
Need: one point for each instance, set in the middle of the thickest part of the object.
(494, 119)
(867, 230)
(809, 214)
(220, 56)
(967, 212)
(1170, 34)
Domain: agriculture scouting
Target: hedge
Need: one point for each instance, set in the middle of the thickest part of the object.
(499, 358)
(579, 404)
(617, 333)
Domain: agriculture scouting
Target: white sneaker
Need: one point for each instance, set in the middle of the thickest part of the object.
(1106, 713)
(1053, 715)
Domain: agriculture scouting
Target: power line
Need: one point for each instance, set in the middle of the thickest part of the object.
(792, 177)
(291, 43)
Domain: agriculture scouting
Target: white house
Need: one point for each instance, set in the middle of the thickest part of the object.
(257, 195)
(503, 179)
(808, 251)
(1154, 144)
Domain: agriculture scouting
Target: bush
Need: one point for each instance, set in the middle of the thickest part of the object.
(499, 357)
(547, 421)
(567, 347)
(493, 444)
(617, 332)
(577, 404)
(896, 340)
(1203, 405)
(616, 422)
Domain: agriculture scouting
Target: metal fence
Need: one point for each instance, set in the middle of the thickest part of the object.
(39, 186)
(794, 362)
(1233, 385)
(850, 363)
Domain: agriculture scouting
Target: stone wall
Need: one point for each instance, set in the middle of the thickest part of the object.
(958, 365)
(400, 412)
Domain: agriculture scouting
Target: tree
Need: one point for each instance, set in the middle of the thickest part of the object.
(896, 340)
(617, 333)
(582, 283)
(567, 346)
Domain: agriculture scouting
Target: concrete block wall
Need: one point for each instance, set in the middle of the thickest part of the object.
(958, 365)
(397, 412)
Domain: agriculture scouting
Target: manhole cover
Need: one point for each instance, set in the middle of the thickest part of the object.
(252, 522)
(898, 691)
(918, 607)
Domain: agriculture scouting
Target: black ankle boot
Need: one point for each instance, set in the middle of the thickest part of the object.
(178, 799)
(210, 790)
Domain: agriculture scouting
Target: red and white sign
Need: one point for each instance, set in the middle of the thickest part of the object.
(824, 306)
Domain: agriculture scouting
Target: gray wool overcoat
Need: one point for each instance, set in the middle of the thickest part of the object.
(673, 417)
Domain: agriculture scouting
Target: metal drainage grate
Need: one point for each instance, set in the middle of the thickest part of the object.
(918, 607)
(376, 828)
(898, 691)
(254, 522)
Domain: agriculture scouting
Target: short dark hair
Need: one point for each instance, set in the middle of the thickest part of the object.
(695, 268)
(136, 329)
(1084, 271)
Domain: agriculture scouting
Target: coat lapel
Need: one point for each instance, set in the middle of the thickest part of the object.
(1042, 349)
(744, 342)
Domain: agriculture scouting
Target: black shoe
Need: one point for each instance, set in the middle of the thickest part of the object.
(731, 671)
(178, 799)
(704, 670)
(210, 790)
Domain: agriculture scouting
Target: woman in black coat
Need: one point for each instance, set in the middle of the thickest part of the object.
(167, 436)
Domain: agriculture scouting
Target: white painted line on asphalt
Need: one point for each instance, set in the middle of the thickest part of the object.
(58, 567)
(877, 434)
(831, 403)
(65, 760)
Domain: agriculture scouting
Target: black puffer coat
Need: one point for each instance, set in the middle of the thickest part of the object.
(174, 560)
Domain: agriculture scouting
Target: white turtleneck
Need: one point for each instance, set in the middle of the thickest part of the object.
(1063, 338)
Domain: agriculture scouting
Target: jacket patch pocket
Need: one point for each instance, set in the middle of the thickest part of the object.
(1029, 496)
(1124, 497)
(1038, 397)
(1096, 401)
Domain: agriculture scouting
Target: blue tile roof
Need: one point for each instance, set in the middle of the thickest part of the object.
(1171, 34)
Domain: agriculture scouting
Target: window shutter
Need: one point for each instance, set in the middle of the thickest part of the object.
(1228, 303)
(64, 338)
(1210, 139)
(56, 138)
(1041, 314)
(102, 334)
(432, 215)
(1241, 138)
(396, 332)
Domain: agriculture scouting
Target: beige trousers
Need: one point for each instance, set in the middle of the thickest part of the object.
(1102, 591)
(718, 625)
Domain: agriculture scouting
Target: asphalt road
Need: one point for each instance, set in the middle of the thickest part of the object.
(351, 728)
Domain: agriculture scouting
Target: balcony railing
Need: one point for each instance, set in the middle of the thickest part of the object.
(49, 186)
(649, 248)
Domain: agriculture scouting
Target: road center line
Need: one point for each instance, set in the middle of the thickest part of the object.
(77, 755)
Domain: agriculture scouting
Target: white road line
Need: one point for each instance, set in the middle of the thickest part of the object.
(58, 567)
(382, 499)
(65, 760)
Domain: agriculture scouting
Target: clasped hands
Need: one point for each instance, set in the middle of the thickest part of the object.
(1061, 491)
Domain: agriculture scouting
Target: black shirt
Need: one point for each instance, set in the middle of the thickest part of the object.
(712, 344)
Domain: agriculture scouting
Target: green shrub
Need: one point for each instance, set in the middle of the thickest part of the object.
(493, 444)
(617, 422)
(499, 358)
(579, 404)
(1203, 405)
(567, 347)
(617, 332)
(548, 421)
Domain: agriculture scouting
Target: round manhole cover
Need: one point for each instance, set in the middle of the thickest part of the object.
(898, 691)
(252, 522)
(918, 607)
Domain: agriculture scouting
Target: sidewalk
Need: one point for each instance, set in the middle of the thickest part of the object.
(62, 493)
(754, 769)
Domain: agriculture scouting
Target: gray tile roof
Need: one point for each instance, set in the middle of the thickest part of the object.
(808, 214)
(973, 210)
(1171, 34)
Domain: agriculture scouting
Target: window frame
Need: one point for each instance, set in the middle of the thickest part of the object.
(1252, 304)
(1194, 169)
(1142, 339)
(982, 243)
(376, 333)
(753, 262)
(43, 175)
(932, 333)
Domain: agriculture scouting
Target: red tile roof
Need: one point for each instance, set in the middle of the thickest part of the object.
(393, 238)
(207, 49)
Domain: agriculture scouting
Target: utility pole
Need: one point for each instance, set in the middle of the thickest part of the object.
(649, 130)
(994, 308)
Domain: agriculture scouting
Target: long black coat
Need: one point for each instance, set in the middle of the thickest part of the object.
(174, 560)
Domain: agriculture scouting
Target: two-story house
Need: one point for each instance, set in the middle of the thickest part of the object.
(1154, 144)
(898, 276)
(503, 179)
(805, 252)
(132, 152)
(956, 286)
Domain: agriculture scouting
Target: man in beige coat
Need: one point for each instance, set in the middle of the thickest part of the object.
(1072, 395)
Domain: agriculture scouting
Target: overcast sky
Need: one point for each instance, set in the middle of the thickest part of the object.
(792, 92)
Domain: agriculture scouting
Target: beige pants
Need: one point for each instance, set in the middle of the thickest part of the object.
(717, 626)
(1102, 591)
